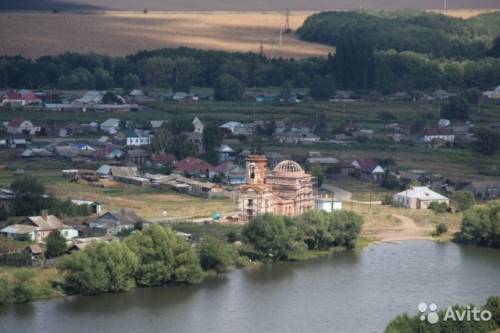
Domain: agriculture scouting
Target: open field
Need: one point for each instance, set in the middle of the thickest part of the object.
(121, 33)
(125, 32)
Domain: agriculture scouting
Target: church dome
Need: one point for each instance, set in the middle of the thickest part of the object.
(288, 168)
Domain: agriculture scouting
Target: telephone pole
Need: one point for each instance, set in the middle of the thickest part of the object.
(287, 22)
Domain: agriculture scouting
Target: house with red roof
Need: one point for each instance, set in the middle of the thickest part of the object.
(162, 159)
(369, 168)
(19, 98)
(194, 167)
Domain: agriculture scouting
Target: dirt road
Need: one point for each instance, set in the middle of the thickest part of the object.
(404, 229)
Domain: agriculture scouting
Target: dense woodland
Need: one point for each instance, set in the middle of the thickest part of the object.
(396, 51)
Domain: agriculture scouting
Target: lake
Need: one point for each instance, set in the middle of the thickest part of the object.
(345, 292)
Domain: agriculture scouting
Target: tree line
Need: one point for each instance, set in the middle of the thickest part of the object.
(356, 65)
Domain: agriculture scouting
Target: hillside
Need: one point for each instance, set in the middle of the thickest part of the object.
(433, 34)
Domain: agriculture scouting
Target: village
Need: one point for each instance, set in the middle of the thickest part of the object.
(252, 171)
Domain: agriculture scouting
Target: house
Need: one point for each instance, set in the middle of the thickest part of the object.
(111, 125)
(315, 157)
(19, 232)
(6, 196)
(36, 152)
(137, 96)
(163, 159)
(115, 154)
(198, 125)
(190, 186)
(35, 251)
(194, 167)
(419, 197)
(91, 97)
(79, 244)
(327, 204)
(37, 228)
(297, 137)
(156, 124)
(237, 128)
(137, 156)
(232, 174)
(484, 189)
(369, 169)
(230, 127)
(226, 153)
(19, 98)
(94, 206)
(136, 137)
(431, 135)
(112, 223)
(127, 175)
(492, 94)
(21, 126)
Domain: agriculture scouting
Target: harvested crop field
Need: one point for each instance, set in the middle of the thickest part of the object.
(33, 34)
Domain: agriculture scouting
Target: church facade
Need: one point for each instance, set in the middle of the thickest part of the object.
(286, 190)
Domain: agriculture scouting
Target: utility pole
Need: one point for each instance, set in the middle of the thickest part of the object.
(287, 22)
(445, 5)
(281, 36)
(261, 51)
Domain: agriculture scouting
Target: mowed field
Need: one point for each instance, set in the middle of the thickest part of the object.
(33, 34)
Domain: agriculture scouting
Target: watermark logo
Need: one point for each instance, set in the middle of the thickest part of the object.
(469, 313)
(432, 317)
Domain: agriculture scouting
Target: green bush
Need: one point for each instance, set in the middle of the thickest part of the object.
(481, 226)
(438, 207)
(101, 267)
(441, 228)
(163, 257)
(462, 200)
(215, 255)
(272, 236)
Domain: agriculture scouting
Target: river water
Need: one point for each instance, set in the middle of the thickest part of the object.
(346, 292)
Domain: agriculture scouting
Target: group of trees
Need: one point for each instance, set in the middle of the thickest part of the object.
(413, 324)
(481, 226)
(153, 257)
(31, 198)
(170, 138)
(278, 237)
(435, 34)
(407, 50)
(21, 288)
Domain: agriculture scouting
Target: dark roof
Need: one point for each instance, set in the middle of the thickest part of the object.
(193, 164)
(123, 216)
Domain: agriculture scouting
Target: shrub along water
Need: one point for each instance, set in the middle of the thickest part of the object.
(481, 226)
(157, 256)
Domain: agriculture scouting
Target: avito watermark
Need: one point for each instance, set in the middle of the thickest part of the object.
(429, 313)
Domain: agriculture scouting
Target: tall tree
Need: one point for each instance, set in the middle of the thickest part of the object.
(55, 244)
(228, 88)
